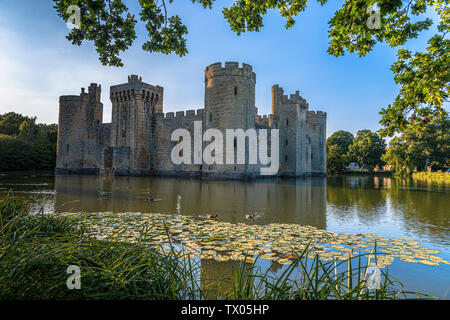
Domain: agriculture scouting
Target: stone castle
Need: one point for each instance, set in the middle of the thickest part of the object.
(138, 140)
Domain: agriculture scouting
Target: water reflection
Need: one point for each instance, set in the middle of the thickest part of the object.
(401, 207)
(301, 201)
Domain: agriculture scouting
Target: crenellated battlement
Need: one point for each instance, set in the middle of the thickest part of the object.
(135, 88)
(181, 115)
(316, 117)
(265, 120)
(317, 114)
(230, 69)
(294, 98)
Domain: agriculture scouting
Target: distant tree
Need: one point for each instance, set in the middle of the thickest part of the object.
(335, 160)
(342, 139)
(337, 149)
(28, 129)
(367, 149)
(10, 123)
(419, 148)
(28, 146)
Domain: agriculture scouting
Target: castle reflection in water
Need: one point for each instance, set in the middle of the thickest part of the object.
(300, 201)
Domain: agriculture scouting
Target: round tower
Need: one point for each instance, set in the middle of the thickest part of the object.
(71, 127)
(230, 104)
(229, 96)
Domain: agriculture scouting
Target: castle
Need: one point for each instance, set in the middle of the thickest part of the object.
(138, 139)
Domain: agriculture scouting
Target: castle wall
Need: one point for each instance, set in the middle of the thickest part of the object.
(165, 125)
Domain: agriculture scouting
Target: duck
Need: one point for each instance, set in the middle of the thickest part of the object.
(251, 217)
(210, 216)
(148, 199)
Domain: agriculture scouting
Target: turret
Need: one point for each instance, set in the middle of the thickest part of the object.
(230, 104)
(79, 124)
(134, 106)
(229, 96)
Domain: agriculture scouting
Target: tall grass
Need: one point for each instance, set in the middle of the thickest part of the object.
(36, 250)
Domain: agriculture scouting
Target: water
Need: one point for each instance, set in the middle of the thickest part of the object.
(392, 207)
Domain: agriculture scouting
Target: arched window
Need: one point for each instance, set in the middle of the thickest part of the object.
(235, 91)
(287, 122)
(210, 117)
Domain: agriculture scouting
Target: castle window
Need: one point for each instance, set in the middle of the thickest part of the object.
(286, 141)
(210, 117)
(235, 91)
(285, 158)
(68, 148)
(287, 122)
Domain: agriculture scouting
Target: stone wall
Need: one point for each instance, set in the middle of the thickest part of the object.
(165, 125)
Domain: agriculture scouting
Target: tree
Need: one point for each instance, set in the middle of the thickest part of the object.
(342, 139)
(10, 123)
(337, 148)
(28, 129)
(357, 26)
(335, 160)
(28, 146)
(419, 148)
(367, 149)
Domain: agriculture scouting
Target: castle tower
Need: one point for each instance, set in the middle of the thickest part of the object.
(230, 104)
(134, 105)
(79, 124)
(317, 126)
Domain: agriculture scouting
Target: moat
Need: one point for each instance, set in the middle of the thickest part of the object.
(391, 207)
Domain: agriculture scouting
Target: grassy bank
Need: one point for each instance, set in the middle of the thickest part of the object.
(36, 250)
(441, 177)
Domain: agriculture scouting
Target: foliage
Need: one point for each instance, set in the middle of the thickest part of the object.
(367, 149)
(31, 146)
(10, 123)
(335, 159)
(337, 148)
(420, 147)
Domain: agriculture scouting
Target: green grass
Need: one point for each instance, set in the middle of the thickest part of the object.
(36, 250)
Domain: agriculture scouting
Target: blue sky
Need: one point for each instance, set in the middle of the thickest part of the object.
(37, 63)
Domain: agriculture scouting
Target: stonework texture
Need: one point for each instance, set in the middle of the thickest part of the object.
(138, 140)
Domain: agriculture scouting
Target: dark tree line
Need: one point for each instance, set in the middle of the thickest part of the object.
(26, 145)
